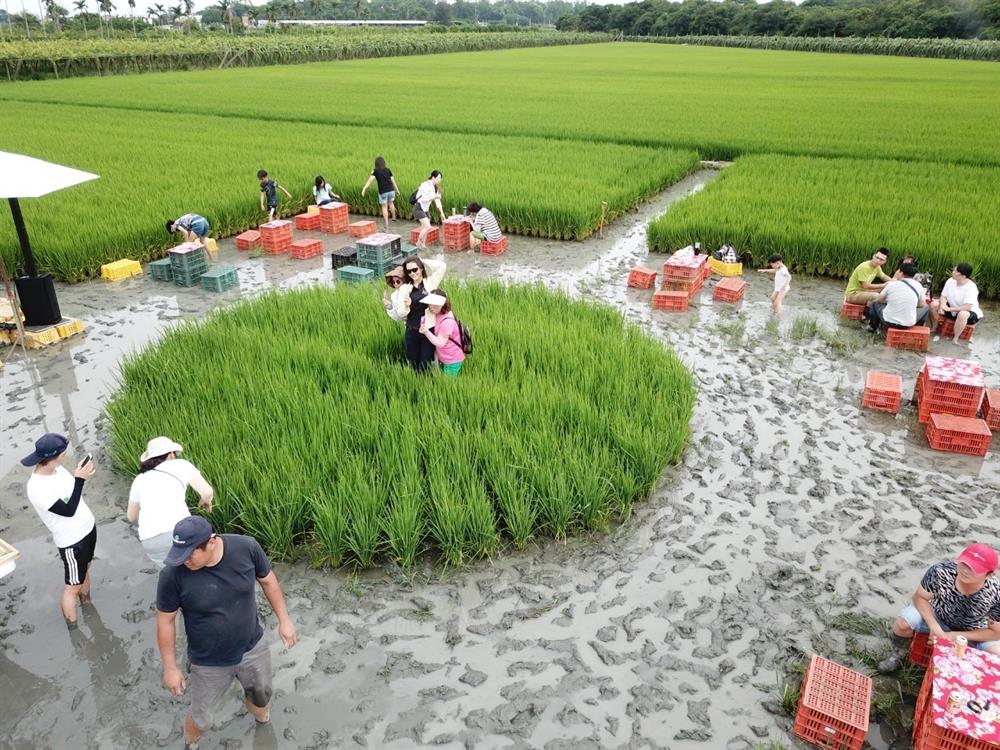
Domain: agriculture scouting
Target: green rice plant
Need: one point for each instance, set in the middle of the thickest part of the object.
(827, 215)
(537, 437)
(804, 327)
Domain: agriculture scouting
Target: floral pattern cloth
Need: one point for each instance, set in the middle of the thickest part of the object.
(685, 258)
(378, 239)
(975, 679)
(187, 247)
(957, 371)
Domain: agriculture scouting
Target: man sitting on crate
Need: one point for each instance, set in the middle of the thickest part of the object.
(861, 287)
(955, 597)
(484, 225)
(901, 304)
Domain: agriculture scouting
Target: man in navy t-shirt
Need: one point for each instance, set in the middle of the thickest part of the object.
(213, 578)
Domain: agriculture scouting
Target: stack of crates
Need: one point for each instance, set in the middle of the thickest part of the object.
(345, 256)
(433, 236)
(883, 392)
(187, 263)
(670, 301)
(220, 279)
(276, 236)
(303, 249)
(248, 240)
(333, 218)
(380, 252)
(494, 248)
(307, 222)
(685, 271)
(354, 274)
(456, 234)
(162, 270)
(949, 386)
(641, 277)
(730, 289)
(959, 434)
(833, 706)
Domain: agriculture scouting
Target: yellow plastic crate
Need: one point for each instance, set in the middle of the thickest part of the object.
(38, 339)
(211, 246)
(120, 269)
(313, 210)
(69, 328)
(725, 269)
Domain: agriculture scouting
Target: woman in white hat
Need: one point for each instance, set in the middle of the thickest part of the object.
(158, 499)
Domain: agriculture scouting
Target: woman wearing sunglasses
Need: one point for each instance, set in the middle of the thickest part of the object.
(421, 277)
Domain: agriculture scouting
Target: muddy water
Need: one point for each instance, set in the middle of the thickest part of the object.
(790, 507)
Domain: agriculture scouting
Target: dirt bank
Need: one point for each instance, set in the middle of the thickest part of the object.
(791, 508)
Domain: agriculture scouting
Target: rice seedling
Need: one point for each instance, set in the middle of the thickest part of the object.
(827, 215)
(325, 444)
(804, 327)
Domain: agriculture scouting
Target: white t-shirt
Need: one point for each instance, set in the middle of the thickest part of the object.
(426, 194)
(782, 279)
(160, 494)
(967, 294)
(901, 299)
(43, 491)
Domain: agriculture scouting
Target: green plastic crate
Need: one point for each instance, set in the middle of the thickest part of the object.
(189, 261)
(162, 270)
(354, 274)
(380, 269)
(220, 279)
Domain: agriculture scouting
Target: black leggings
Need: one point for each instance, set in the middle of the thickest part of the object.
(419, 351)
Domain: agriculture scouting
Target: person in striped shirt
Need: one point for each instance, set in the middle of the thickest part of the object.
(484, 224)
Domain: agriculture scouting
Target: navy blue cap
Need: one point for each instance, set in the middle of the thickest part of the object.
(49, 445)
(188, 534)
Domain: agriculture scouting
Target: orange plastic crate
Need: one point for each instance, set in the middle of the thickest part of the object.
(361, 228)
(641, 277)
(456, 233)
(929, 736)
(991, 409)
(247, 240)
(852, 312)
(433, 236)
(307, 222)
(946, 327)
(921, 648)
(494, 248)
(682, 273)
(833, 706)
(276, 236)
(690, 287)
(730, 289)
(883, 392)
(968, 435)
(672, 301)
(302, 249)
(333, 218)
(915, 339)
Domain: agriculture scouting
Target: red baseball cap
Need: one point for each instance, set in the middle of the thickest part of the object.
(980, 557)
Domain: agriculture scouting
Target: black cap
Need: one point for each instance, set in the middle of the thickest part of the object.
(188, 534)
(49, 445)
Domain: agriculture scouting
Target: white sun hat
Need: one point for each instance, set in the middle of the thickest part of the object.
(160, 446)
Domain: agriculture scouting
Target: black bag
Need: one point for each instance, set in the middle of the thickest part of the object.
(466, 337)
(413, 198)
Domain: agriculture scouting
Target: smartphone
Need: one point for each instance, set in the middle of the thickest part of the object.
(86, 460)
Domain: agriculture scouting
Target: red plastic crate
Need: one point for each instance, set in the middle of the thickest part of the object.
(915, 339)
(361, 228)
(248, 240)
(672, 301)
(959, 434)
(276, 236)
(690, 287)
(991, 409)
(333, 218)
(307, 222)
(946, 327)
(929, 736)
(494, 248)
(303, 249)
(921, 648)
(852, 312)
(682, 273)
(833, 706)
(456, 234)
(730, 289)
(883, 392)
(641, 277)
(433, 236)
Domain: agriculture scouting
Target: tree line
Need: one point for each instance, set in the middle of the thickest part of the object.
(914, 19)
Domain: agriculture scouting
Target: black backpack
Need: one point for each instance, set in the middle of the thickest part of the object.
(413, 198)
(466, 337)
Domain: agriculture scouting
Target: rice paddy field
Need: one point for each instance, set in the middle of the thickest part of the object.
(389, 462)
(523, 131)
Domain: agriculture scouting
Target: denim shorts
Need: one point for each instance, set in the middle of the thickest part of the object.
(386, 198)
(917, 624)
(200, 227)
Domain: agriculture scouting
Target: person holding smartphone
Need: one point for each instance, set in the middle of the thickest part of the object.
(57, 497)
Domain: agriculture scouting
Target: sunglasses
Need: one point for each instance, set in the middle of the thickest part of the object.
(395, 282)
(412, 270)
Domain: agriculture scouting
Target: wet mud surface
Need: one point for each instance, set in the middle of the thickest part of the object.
(790, 509)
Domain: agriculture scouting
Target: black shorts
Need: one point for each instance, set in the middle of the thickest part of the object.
(419, 213)
(76, 559)
(973, 318)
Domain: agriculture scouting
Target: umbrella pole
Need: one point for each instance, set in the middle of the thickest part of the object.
(30, 269)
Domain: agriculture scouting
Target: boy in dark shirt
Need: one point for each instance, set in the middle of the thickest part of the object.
(269, 189)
